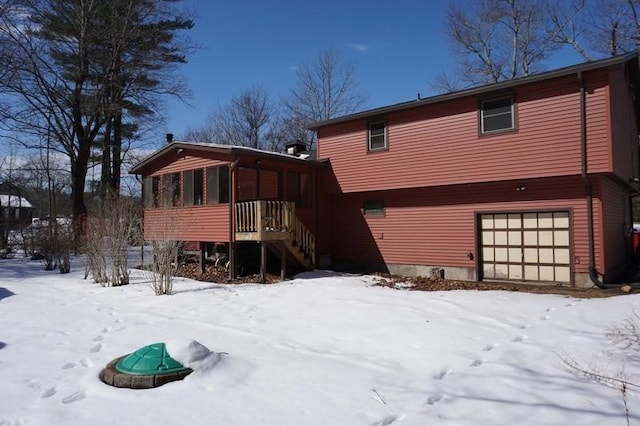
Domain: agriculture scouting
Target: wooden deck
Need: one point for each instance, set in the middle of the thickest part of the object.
(267, 221)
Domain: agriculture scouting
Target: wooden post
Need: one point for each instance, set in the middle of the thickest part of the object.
(263, 261)
(283, 260)
(202, 256)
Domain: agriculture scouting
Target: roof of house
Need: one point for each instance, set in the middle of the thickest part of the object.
(13, 201)
(574, 69)
(218, 148)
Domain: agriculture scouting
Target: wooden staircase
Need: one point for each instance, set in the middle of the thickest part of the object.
(272, 221)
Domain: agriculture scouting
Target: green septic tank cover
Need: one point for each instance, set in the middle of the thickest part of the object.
(149, 360)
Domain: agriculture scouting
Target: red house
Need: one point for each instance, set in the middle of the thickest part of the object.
(525, 180)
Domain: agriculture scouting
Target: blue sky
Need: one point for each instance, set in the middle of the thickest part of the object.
(397, 48)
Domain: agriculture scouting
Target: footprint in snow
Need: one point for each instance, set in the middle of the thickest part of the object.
(525, 326)
(76, 396)
(99, 338)
(444, 372)
(432, 400)
(68, 365)
(34, 384)
(569, 304)
(521, 338)
(545, 317)
(96, 348)
(477, 362)
(550, 309)
(390, 419)
(490, 347)
(48, 393)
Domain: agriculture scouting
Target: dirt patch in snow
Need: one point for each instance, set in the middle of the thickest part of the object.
(219, 275)
(215, 274)
(440, 284)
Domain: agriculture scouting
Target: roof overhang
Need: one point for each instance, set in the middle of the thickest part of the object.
(229, 150)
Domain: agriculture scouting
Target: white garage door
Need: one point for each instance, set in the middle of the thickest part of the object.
(526, 246)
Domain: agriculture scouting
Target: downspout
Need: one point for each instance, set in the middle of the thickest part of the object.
(593, 273)
(232, 251)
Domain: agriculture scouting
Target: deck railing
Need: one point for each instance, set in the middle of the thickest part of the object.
(274, 220)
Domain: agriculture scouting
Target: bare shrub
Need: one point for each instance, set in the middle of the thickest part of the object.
(164, 265)
(53, 243)
(110, 228)
(624, 337)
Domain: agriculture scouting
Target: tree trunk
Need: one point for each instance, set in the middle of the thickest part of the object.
(116, 172)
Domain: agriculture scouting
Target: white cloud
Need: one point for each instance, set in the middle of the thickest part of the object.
(359, 46)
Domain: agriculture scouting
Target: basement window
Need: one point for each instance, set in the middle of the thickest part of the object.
(373, 208)
(377, 136)
(497, 115)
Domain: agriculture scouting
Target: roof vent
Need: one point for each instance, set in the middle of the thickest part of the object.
(169, 137)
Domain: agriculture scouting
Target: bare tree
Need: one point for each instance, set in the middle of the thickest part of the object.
(612, 27)
(244, 120)
(250, 119)
(498, 40)
(326, 88)
(82, 67)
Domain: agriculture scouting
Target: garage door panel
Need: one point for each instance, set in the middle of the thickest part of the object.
(530, 238)
(546, 273)
(526, 246)
(500, 238)
(561, 238)
(545, 220)
(531, 273)
(563, 273)
(531, 255)
(515, 237)
(515, 255)
(561, 220)
(562, 256)
(502, 271)
(487, 254)
(545, 238)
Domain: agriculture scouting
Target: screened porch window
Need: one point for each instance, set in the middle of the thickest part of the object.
(193, 187)
(151, 190)
(171, 190)
(218, 185)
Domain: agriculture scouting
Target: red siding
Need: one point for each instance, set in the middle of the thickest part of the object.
(614, 203)
(211, 222)
(436, 226)
(438, 144)
(624, 132)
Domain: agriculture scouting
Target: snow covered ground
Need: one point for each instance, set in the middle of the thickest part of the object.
(323, 349)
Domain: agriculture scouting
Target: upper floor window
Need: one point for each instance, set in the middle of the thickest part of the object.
(377, 135)
(193, 187)
(497, 115)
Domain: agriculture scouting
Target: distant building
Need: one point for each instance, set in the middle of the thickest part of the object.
(15, 210)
